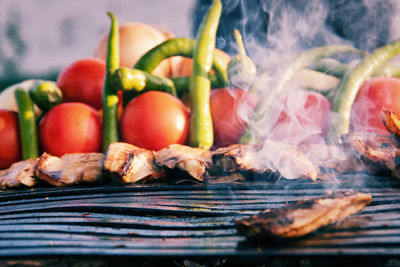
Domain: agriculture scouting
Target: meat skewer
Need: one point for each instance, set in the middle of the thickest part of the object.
(70, 169)
(18, 174)
(301, 218)
(189, 161)
(129, 164)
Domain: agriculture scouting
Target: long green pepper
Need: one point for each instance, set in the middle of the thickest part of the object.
(110, 95)
(201, 126)
(305, 59)
(350, 84)
(179, 47)
(138, 81)
(27, 125)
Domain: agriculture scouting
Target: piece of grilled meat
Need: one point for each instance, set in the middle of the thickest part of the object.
(379, 153)
(18, 174)
(70, 169)
(234, 158)
(129, 164)
(391, 121)
(181, 160)
(240, 158)
(301, 218)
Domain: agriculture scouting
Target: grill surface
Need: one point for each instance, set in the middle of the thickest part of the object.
(189, 220)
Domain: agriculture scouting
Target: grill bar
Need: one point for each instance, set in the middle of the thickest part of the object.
(189, 220)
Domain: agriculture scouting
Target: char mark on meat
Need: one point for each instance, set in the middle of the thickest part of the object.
(184, 162)
(379, 153)
(130, 164)
(247, 158)
(18, 174)
(70, 169)
(391, 121)
(301, 218)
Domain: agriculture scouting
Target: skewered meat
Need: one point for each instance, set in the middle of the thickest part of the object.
(291, 163)
(237, 157)
(129, 164)
(391, 121)
(379, 153)
(19, 173)
(186, 160)
(301, 218)
(70, 169)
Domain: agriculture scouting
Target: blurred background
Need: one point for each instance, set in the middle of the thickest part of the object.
(39, 37)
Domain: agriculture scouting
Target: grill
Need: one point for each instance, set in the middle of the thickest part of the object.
(186, 221)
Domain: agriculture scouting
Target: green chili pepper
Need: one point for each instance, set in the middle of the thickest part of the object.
(330, 66)
(241, 69)
(126, 80)
(110, 95)
(335, 68)
(350, 84)
(45, 94)
(178, 47)
(135, 80)
(182, 83)
(263, 107)
(27, 125)
(201, 127)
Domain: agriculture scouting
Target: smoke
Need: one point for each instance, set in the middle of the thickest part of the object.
(294, 26)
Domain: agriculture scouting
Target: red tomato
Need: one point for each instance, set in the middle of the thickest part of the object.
(154, 120)
(82, 81)
(373, 95)
(304, 117)
(230, 110)
(70, 128)
(10, 146)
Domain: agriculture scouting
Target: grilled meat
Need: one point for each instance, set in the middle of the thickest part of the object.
(233, 158)
(379, 153)
(70, 169)
(186, 160)
(391, 121)
(291, 163)
(129, 164)
(301, 218)
(19, 173)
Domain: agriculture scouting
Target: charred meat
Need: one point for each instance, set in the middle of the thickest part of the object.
(70, 169)
(391, 121)
(189, 161)
(301, 218)
(19, 173)
(239, 158)
(129, 164)
(234, 158)
(379, 153)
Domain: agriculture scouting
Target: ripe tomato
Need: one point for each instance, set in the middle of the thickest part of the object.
(10, 146)
(82, 81)
(304, 117)
(372, 96)
(70, 128)
(230, 110)
(154, 120)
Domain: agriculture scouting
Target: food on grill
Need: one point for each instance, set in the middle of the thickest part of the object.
(186, 160)
(379, 153)
(284, 124)
(19, 173)
(240, 157)
(391, 121)
(233, 158)
(129, 164)
(70, 169)
(301, 218)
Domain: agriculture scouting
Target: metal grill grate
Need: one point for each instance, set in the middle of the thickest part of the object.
(188, 220)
